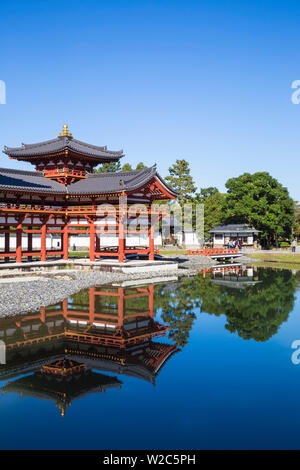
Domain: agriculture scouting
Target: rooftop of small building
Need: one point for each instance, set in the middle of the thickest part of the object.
(232, 228)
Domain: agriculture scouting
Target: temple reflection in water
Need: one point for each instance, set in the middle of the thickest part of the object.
(234, 276)
(57, 352)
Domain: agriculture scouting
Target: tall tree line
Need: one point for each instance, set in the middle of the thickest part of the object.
(256, 199)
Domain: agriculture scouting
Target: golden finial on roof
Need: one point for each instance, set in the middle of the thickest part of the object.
(62, 407)
(65, 132)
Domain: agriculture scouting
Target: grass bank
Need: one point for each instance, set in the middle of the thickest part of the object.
(283, 258)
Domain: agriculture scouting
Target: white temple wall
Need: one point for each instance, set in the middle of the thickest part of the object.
(53, 241)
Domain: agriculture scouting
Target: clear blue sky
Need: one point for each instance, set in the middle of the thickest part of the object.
(208, 81)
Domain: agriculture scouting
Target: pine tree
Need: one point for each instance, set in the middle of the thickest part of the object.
(181, 181)
(127, 167)
(140, 166)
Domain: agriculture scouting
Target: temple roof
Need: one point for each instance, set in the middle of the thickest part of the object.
(60, 144)
(232, 228)
(29, 181)
(73, 387)
(62, 392)
(94, 183)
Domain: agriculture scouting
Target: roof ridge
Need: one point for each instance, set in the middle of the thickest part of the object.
(103, 148)
(24, 146)
(115, 173)
(22, 172)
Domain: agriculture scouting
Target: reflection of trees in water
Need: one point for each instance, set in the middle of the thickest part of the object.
(254, 313)
(178, 306)
(258, 312)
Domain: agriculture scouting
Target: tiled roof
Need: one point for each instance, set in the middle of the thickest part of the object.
(239, 228)
(31, 181)
(95, 183)
(112, 182)
(63, 143)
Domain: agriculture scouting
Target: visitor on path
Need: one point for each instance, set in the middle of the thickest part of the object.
(240, 243)
(294, 244)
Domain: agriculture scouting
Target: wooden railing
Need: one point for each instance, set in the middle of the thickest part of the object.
(213, 251)
(101, 210)
(64, 172)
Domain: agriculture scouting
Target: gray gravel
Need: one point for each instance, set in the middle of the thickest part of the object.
(18, 295)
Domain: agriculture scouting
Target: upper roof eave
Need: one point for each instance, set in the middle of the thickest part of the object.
(233, 230)
(60, 144)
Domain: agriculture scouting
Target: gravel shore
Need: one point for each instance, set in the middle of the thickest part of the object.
(22, 294)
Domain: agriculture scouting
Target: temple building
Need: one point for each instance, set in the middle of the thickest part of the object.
(224, 235)
(66, 351)
(64, 196)
(235, 276)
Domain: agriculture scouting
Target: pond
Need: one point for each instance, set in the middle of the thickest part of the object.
(209, 362)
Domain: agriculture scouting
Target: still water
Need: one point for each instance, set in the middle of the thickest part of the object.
(203, 363)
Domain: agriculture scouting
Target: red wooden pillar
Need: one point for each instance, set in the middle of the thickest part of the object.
(65, 308)
(92, 241)
(43, 314)
(122, 222)
(121, 305)
(19, 242)
(6, 246)
(151, 237)
(92, 304)
(43, 240)
(121, 250)
(65, 242)
(29, 244)
(151, 300)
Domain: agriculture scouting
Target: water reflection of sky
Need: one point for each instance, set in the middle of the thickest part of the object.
(219, 391)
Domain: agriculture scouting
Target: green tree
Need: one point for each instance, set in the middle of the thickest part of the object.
(262, 202)
(111, 167)
(140, 166)
(213, 202)
(181, 180)
(127, 167)
(114, 167)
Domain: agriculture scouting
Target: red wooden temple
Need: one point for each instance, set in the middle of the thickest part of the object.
(57, 353)
(64, 196)
(109, 323)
